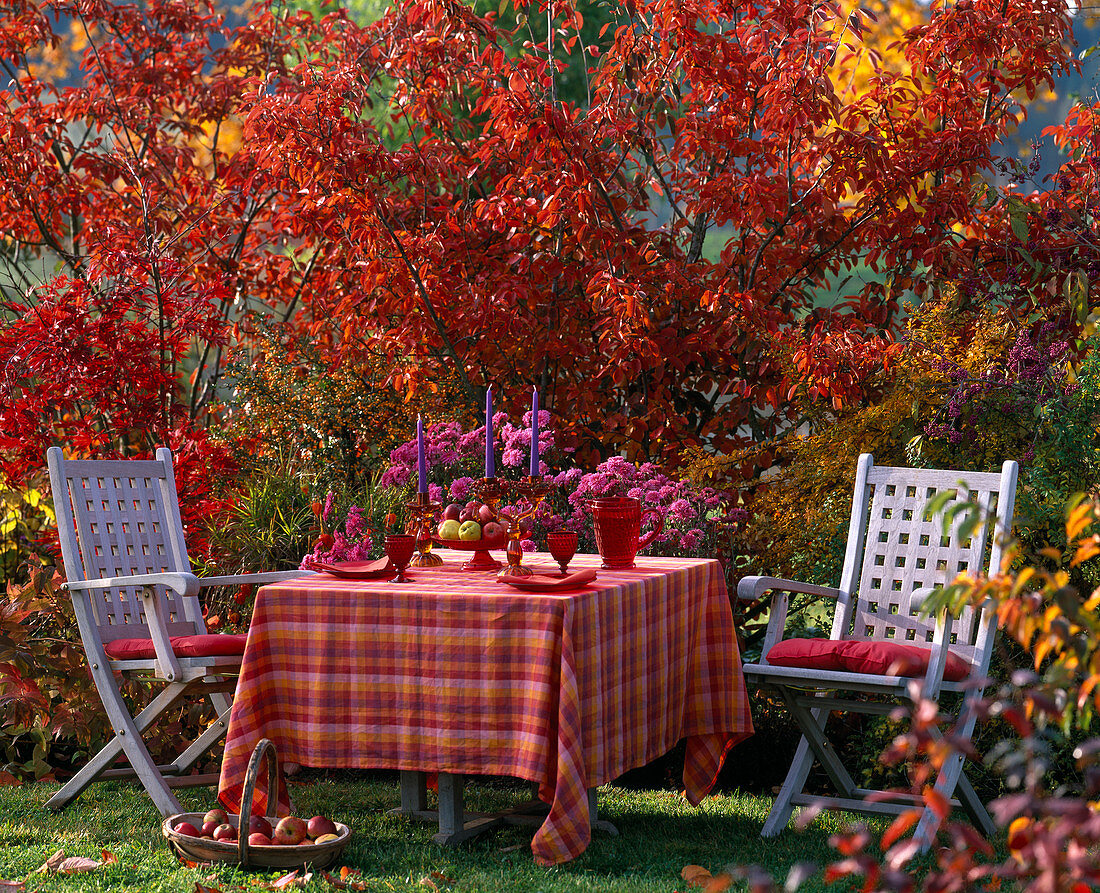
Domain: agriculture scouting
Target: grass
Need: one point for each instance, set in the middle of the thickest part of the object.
(659, 834)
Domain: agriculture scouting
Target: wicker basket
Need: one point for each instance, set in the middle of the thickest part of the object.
(203, 849)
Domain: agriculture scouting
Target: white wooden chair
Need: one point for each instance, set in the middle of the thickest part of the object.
(137, 609)
(881, 641)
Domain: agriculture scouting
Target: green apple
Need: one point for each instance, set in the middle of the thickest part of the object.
(449, 530)
(469, 531)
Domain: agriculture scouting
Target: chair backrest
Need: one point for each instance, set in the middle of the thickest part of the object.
(119, 518)
(897, 549)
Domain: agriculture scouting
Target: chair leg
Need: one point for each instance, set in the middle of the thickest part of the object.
(201, 745)
(128, 740)
(780, 814)
(812, 722)
(974, 807)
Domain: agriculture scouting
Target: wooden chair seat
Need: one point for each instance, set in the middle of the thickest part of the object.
(208, 645)
(863, 656)
(883, 645)
(136, 603)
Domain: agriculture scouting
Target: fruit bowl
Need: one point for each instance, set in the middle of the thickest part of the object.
(206, 849)
(203, 849)
(481, 560)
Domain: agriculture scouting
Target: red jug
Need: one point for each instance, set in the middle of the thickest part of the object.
(617, 521)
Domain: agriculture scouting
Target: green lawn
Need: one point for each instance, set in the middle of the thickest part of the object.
(660, 834)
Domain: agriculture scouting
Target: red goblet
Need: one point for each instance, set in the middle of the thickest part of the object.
(563, 546)
(399, 549)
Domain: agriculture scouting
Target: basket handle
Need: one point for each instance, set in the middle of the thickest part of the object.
(265, 748)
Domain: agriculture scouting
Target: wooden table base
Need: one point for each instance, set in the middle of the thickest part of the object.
(457, 826)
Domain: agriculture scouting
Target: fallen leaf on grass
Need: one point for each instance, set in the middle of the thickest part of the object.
(12, 886)
(698, 876)
(290, 879)
(345, 881)
(59, 863)
(202, 888)
(695, 875)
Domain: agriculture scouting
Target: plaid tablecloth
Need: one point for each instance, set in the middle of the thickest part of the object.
(455, 672)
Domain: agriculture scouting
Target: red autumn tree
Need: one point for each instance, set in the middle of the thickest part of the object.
(649, 257)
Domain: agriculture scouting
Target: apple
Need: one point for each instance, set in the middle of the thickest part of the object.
(467, 514)
(469, 531)
(290, 831)
(450, 513)
(217, 816)
(448, 530)
(319, 825)
(485, 514)
(258, 839)
(258, 824)
(208, 828)
(188, 829)
(326, 838)
(473, 505)
(225, 831)
(492, 530)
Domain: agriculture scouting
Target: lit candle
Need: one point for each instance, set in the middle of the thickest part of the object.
(490, 470)
(421, 462)
(534, 432)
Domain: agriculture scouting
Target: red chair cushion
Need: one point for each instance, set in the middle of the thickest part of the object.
(863, 656)
(210, 645)
(812, 654)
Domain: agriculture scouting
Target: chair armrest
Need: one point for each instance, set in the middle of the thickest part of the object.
(183, 583)
(260, 578)
(751, 588)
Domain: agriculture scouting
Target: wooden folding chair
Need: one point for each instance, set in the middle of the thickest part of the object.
(137, 609)
(881, 641)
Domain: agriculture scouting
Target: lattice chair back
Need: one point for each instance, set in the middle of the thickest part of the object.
(907, 554)
(120, 518)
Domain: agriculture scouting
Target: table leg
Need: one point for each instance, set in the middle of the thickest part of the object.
(598, 824)
(457, 826)
(414, 791)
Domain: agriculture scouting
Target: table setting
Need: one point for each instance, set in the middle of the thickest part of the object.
(560, 668)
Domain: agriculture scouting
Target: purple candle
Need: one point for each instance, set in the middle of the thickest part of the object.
(490, 470)
(534, 432)
(421, 463)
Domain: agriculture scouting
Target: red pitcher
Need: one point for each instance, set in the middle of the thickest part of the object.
(618, 523)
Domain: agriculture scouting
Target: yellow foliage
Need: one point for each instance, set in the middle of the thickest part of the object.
(867, 46)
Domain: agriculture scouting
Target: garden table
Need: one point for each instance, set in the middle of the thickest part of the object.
(454, 672)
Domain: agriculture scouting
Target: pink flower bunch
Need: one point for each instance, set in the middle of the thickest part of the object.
(456, 458)
(687, 510)
(351, 543)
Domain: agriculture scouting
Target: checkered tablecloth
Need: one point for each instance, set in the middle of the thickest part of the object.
(455, 672)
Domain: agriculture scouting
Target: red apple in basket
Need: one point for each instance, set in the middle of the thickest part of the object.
(485, 514)
(225, 832)
(208, 828)
(492, 530)
(451, 512)
(217, 816)
(258, 824)
(319, 826)
(258, 839)
(188, 829)
(290, 831)
(467, 515)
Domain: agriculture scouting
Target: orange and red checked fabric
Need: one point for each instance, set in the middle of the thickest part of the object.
(455, 672)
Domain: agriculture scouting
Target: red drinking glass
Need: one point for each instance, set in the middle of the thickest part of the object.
(563, 546)
(399, 549)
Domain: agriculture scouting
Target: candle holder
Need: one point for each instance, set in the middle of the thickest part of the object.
(532, 490)
(422, 518)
